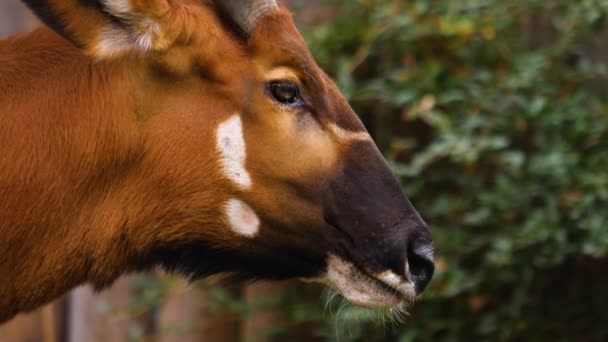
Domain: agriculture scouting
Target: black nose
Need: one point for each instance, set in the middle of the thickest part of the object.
(420, 259)
(411, 256)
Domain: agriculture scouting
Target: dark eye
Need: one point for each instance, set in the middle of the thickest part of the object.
(284, 92)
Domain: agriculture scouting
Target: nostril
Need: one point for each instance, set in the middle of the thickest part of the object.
(421, 266)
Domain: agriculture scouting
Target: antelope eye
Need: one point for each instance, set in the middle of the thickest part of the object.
(284, 92)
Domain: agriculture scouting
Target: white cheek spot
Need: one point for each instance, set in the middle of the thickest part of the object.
(231, 147)
(347, 135)
(242, 218)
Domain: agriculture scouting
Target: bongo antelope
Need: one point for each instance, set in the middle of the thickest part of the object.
(195, 135)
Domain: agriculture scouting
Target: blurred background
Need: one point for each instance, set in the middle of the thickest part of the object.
(494, 115)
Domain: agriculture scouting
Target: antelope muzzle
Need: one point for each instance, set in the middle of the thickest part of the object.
(382, 249)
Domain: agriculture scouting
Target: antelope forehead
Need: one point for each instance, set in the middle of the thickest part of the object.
(230, 145)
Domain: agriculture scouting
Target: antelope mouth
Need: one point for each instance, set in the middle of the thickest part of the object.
(378, 291)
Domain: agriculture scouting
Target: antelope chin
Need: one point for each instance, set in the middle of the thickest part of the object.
(380, 291)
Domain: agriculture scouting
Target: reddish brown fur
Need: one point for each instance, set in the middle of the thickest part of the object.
(108, 160)
(98, 164)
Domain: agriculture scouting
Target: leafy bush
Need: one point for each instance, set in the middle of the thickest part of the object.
(495, 116)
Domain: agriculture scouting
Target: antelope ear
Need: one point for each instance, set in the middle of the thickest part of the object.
(246, 13)
(107, 28)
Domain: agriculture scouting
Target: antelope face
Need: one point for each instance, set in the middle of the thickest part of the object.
(264, 169)
(314, 197)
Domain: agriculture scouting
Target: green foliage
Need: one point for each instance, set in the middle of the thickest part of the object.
(494, 114)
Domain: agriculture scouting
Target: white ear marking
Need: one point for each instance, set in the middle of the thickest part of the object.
(145, 39)
(231, 147)
(140, 33)
(242, 218)
(113, 40)
(118, 8)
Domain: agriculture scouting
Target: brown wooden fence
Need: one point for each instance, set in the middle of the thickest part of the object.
(183, 316)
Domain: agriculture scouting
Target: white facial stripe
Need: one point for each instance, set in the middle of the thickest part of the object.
(281, 73)
(242, 218)
(347, 135)
(231, 147)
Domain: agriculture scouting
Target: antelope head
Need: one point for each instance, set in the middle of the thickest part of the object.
(249, 160)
